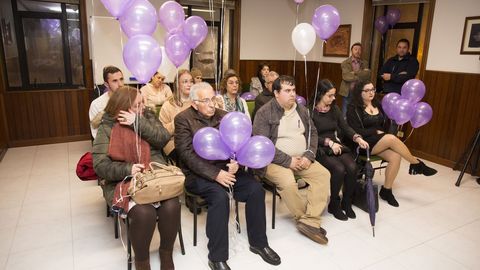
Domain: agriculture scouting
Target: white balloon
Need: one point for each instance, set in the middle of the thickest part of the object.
(303, 38)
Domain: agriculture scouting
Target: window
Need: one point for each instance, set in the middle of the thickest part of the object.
(42, 44)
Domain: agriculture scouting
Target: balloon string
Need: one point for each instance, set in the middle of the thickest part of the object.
(214, 53)
(306, 78)
(409, 135)
(294, 50)
(316, 87)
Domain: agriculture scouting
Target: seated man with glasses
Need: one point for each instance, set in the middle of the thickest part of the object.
(291, 129)
(213, 180)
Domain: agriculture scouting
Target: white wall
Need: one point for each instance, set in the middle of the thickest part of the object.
(446, 38)
(266, 27)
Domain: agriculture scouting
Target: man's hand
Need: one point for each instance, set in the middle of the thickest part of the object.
(305, 163)
(232, 166)
(386, 76)
(225, 178)
(296, 163)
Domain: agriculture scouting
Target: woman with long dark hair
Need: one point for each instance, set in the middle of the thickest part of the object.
(257, 85)
(365, 116)
(332, 153)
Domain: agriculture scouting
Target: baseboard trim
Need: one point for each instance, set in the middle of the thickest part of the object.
(21, 143)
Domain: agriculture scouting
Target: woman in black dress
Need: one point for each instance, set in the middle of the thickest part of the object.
(366, 117)
(332, 153)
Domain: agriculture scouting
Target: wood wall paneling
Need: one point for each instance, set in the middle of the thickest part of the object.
(454, 98)
(332, 71)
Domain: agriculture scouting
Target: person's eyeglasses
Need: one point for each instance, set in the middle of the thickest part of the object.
(207, 101)
(373, 90)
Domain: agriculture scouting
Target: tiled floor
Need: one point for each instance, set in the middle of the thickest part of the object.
(49, 219)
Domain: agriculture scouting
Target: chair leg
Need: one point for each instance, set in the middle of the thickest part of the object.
(194, 222)
(237, 218)
(108, 210)
(274, 204)
(180, 237)
(129, 246)
(115, 224)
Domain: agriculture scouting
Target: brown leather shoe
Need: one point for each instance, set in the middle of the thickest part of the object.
(312, 233)
(323, 231)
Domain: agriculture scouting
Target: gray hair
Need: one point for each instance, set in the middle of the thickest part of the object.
(197, 87)
(274, 74)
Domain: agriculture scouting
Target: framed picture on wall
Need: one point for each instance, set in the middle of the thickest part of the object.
(338, 45)
(471, 36)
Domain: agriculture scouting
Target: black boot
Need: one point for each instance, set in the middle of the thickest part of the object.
(421, 168)
(347, 207)
(335, 210)
(387, 195)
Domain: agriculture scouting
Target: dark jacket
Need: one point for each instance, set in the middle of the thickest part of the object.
(193, 166)
(112, 172)
(330, 125)
(266, 123)
(262, 99)
(394, 66)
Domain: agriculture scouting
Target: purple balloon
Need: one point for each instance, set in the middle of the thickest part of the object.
(257, 153)
(326, 21)
(195, 30)
(116, 7)
(235, 129)
(298, 1)
(248, 96)
(208, 144)
(140, 18)
(402, 111)
(142, 55)
(423, 114)
(381, 24)
(413, 90)
(171, 16)
(393, 16)
(388, 103)
(177, 49)
(301, 100)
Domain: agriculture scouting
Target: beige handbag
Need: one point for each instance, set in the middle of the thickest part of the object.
(160, 183)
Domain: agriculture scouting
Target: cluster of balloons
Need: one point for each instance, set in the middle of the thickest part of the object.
(382, 22)
(325, 23)
(406, 107)
(183, 35)
(233, 139)
(138, 19)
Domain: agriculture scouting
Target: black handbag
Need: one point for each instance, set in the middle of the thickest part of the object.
(360, 195)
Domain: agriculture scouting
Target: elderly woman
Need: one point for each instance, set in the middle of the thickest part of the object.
(156, 92)
(366, 117)
(229, 100)
(124, 126)
(176, 104)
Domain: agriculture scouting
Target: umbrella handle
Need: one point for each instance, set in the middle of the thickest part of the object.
(358, 153)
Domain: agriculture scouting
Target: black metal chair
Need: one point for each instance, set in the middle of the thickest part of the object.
(199, 203)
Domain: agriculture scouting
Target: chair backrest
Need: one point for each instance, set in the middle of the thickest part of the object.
(251, 106)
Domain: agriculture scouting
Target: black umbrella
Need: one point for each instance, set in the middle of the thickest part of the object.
(370, 192)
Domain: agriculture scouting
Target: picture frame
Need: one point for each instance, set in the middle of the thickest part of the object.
(338, 45)
(205, 56)
(471, 36)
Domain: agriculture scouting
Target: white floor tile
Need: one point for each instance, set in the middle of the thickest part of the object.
(424, 257)
(55, 256)
(459, 248)
(40, 235)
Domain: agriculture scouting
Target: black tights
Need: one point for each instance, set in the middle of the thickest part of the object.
(143, 218)
(343, 171)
